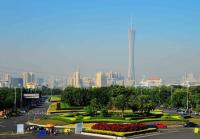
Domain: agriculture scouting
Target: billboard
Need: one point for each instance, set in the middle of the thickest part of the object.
(20, 128)
(31, 95)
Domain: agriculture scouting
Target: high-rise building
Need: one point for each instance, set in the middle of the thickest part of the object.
(189, 79)
(75, 79)
(100, 79)
(114, 78)
(40, 82)
(6, 81)
(7, 77)
(16, 82)
(131, 39)
(87, 82)
(29, 80)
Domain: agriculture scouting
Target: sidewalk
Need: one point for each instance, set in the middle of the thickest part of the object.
(29, 123)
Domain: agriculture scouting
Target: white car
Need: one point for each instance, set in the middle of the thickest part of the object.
(182, 113)
(195, 113)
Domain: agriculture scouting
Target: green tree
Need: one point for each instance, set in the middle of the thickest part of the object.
(146, 104)
(179, 98)
(121, 98)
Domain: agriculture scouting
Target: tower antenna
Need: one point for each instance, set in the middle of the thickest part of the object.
(131, 22)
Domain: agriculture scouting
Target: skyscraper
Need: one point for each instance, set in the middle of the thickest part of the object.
(29, 79)
(75, 79)
(131, 39)
(100, 79)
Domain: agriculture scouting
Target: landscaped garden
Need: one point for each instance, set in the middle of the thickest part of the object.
(55, 98)
(115, 111)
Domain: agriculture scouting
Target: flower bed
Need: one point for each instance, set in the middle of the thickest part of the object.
(120, 134)
(119, 127)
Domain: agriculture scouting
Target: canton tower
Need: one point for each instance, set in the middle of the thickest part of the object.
(131, 40)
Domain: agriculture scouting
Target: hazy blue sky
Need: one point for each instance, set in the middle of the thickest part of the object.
(57, 36)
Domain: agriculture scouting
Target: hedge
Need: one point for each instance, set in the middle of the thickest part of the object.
(120, 134)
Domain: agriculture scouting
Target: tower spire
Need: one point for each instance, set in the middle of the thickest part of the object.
(131, 22)
(131, 40)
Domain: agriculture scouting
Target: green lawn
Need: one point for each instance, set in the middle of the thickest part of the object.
(52, 109)
(64, 105)
(55, 99)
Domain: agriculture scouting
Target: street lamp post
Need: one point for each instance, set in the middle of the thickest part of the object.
(51, 91)
(171, 94)
(159, 95)
(15, 100)
(21, 99)
(188, 98)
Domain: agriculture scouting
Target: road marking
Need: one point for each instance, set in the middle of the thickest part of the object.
(2, 126)
(152, 134)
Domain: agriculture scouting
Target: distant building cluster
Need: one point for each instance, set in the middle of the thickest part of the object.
(30, 81)
(151, 81)
(100, 79)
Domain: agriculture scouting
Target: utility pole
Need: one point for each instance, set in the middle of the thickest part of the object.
(15, 100)
(21, 99)
(188, 98)
(51, 92)
(171, 94)
(159, 95)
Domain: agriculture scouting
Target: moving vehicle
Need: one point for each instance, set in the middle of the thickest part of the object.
(160, 125)
(190, 124)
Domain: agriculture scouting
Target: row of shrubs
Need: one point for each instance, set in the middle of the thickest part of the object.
(119, 127)
(64, 106)
(78, 117)
(120, 134)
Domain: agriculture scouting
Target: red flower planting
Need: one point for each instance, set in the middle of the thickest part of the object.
(119, 127)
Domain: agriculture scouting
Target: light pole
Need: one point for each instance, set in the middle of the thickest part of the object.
(159, 96)
(171, 94)
(21, 99)
(15, 100)
(188, 98)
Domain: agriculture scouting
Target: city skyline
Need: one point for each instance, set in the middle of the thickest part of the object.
(56, 38)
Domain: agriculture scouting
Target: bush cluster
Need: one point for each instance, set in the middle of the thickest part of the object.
(120, 127)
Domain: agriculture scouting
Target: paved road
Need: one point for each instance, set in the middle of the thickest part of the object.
(73, 136)
(171, 134)
(9, 125)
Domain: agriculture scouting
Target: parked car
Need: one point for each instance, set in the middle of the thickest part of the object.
(182, 112)
(151, 126)
(160, 125)
(5, 117)
(190, 124)
(195, 113)
(22, 111)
